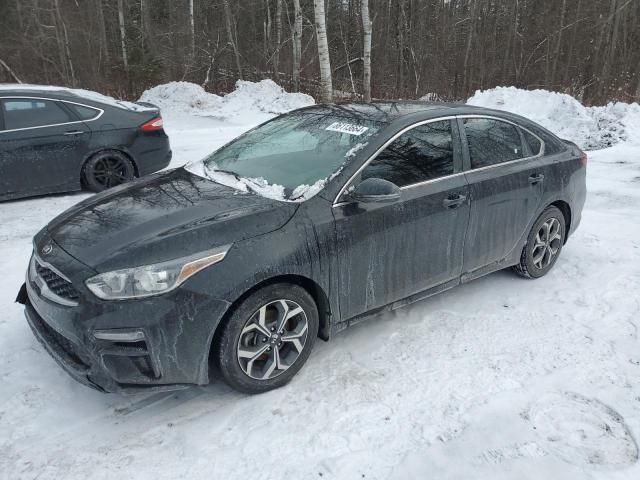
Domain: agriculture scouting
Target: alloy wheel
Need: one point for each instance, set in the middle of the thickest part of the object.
(272, 339)
(548, 242)
(110, 171)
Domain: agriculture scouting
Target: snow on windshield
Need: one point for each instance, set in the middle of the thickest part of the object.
(290, 158)
(83, 94)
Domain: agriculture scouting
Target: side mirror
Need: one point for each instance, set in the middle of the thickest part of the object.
(375, 190)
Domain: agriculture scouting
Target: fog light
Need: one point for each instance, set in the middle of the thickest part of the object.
(119, 335)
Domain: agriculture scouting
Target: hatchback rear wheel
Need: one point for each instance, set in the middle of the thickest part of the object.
(107, 169)
(268, 338)
(544, 244)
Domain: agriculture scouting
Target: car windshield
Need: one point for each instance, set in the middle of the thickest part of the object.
(291, 157)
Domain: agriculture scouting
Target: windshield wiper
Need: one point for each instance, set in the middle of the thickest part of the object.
(233, 174)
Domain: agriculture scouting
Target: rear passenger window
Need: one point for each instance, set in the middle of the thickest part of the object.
(535, 145)
(84, 113)
(423, 153)
(492, 142)
(25, 113)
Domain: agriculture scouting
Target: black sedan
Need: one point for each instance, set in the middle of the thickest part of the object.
(59, 140)
(298, 229)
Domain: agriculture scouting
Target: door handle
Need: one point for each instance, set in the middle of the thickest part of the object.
(535, 179)
(454, 201)
(74, 132)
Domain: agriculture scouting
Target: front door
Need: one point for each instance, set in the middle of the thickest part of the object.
(388, 252)
(506, 189)
(41, 147)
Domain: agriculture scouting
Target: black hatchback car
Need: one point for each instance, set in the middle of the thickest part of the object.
(59, 140)
(299, 228)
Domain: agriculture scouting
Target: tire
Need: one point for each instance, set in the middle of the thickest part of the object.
(107, 169)
(240, 353)
(544, 245)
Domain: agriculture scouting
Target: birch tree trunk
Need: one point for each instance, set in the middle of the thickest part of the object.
(366, 55)
(297, 44)
(123, 36)
(276, 53)
(231, 36)
(326, 85)
(192, 25)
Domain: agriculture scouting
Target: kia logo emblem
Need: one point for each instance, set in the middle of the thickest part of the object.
(47, 249)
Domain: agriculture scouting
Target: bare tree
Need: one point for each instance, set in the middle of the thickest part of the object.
(297, 43)
(231, 36)
(326, 84)
(123, 35)
(366, 55)
(192, 25)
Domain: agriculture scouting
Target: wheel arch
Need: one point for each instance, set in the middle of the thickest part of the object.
(565, 209)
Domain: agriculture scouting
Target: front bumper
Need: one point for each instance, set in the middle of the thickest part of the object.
(170, 348)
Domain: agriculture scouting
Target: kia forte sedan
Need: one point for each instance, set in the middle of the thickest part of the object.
(233, 266)
(56, 140)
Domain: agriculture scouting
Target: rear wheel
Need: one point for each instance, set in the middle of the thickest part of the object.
(544, 244)
(268, 338)
(107, 169)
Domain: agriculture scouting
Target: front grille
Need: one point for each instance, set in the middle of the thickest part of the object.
(58, 285)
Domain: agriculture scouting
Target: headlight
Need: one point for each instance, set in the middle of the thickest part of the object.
(154, 279)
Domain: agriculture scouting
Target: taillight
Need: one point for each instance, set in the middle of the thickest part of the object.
(152, 125)
(583, 159)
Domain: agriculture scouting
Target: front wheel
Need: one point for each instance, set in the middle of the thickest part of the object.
(544, 244)
(268, 338)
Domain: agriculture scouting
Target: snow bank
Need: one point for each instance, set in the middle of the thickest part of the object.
(184, 97)
(590, 127)
(264, 97)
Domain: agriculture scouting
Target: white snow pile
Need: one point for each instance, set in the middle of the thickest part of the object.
(184, 97)
(265, 97)
(79, 92)
(590, 127)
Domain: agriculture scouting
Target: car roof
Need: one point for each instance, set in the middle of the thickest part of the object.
(70, 94)
(389, 111)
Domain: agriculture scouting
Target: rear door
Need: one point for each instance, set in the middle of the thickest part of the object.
(388, 252)
(506, 185)
(41, 147)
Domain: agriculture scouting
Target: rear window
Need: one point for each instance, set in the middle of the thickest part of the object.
(84, 112)
(27, 113)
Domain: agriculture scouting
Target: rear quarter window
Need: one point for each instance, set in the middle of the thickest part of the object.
(533, 142)
(552, 145)
(84, 112)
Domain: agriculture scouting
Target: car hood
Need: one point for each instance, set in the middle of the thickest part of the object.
(163, 217)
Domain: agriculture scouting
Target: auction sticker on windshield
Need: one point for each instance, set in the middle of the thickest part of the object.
(350, 128)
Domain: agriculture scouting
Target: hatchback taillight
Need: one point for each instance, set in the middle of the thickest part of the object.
(583, 159)
(152, 125)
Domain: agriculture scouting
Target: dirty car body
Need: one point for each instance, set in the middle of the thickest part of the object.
(355, 253)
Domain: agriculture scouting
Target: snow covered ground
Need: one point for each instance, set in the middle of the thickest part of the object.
(501, 378)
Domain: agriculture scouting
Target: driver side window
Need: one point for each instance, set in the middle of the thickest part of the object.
(421, 154)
